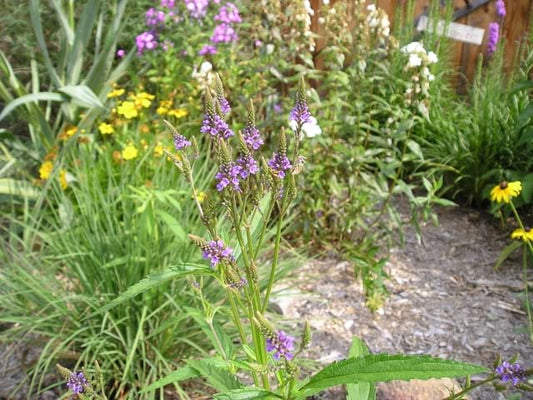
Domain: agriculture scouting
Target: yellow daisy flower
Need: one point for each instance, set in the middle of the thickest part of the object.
(505, 191)
(161, 110)
(158, 150)
(525, 234)
(63, 179)
(143, 99)
(106, 129)
(178, 112)
(46, 169)
(115, 93)
(127, 109)
(129, 152)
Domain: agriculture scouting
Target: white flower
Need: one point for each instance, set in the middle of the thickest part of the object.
(309, 129)
(413, 47)
(432, 57)
(371, 7)
(206, 68)
(321, 21)
(204, 75)
(326, 2)
(414, 61)
(270, 48)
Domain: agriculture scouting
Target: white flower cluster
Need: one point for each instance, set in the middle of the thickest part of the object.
(378, 22)
(205, 75)
(309, 129)
(304, 16)
(418, 63)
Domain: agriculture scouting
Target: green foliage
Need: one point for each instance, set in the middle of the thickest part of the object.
(360, 390)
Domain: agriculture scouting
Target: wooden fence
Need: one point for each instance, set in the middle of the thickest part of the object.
(476, 13)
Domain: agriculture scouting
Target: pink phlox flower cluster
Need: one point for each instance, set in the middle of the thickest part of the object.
(145, 41)
(228, 14)
(224, 33)
(155, 17)
(197, 8)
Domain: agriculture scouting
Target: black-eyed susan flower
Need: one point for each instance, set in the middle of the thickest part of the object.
(129, 152)
(505, 191)
(525, 234)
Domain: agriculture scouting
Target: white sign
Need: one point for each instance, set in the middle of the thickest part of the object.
(463, 33)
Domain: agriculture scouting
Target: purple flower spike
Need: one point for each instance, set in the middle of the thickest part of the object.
(77, 382)
(282, 345)
(494, 35)
(279, 163)
(252, 137)
(180, 142)
(513, 373)
(228, 175)
(248, 166)
(500, 8)
(300, 113)
(216, 127)
(216, 251)
(224, 105)
(207, 50)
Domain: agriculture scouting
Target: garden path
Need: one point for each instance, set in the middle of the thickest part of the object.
(446, 299)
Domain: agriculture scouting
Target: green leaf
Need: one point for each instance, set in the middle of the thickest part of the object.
(179, 375)
(219, 378)
(31, 98)
(415, 149)
(525, 115)
(156, 279)
(515, 244)
(82, 95)
(362, 390)
(385, 367)
(173, 224)
(247, 394)
(15, 187)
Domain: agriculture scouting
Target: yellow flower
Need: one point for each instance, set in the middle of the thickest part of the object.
(142, 99)
(127, 108)
(505, 191)
(525, 234)
(201, 196)
(165, 103)
(129, 152)
(158, 150)
(63, 179)
(178, 112)
(106, 129)
(115, 93)
(144, 144)
(46, 169)
(161, 110)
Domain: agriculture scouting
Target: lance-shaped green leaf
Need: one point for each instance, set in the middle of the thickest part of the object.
(360, 390)
(385, 367)
(248, 394)
(156, 279)
(217, 376)
(31, 98)
(81, 95)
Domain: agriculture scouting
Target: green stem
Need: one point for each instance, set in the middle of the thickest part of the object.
(468, 389)
(274, 263)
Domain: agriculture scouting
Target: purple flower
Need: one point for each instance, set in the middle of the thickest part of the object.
(279, 163)
(207, 49)
(228, 175)
(168, 3)
(197, 8)
(248, 166)
(494, 35)
(513, 373)
(216, 251)
(282, 344)
(224, 104)
(258, 43)
(500, 8)
(154, 17)
(180, 142)
(216, 127)
(167, 44)
(223, 33)
(300, 113)
(239, 284)
(252, 137)
(145, 41)
(277, 108)
(121, 53)
(228, 14)
(76, 382)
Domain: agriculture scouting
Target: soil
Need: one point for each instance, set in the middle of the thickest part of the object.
(447, 300)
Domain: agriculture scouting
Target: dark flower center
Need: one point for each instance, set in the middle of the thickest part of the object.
(503, 185)
(527, 228)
